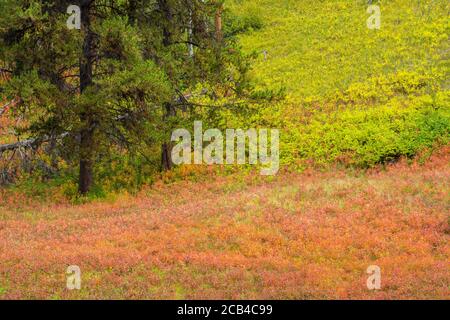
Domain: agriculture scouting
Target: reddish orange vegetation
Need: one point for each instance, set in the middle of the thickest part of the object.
(309, 235)
(5, 124)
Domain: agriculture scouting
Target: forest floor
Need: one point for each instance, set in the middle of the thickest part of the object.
(297, 236)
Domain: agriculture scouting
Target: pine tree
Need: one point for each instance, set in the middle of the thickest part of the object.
(123, 74)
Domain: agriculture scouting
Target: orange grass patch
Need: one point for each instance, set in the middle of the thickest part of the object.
(298, 236)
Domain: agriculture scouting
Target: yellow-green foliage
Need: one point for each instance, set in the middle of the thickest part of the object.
(368, 137)
(354, 95)
(315, 47)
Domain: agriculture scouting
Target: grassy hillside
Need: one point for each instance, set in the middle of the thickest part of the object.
(354, 95)
(317, 47)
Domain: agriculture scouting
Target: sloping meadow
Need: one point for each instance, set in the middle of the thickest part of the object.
(354, 95)
(296, 236)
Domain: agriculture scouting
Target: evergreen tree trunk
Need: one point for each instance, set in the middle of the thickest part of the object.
(86, 162)
(166, 148)
(218, 23)
(166, 158)
(87, 133)
(132, 11)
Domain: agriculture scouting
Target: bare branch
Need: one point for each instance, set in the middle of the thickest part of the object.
(29, 143)
(5, 70)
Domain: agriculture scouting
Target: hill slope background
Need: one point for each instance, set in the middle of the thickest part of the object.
(315, 48)
(354, 95)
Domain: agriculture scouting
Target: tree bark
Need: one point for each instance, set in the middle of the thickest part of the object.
(165, 8)
(29, 143)
(86, 177)
(166, 157)
(132, 11)
(166, 149)
(169, 110)
(86, 162)
(218, 23)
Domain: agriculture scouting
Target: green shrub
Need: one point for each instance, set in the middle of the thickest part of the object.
(366, 137)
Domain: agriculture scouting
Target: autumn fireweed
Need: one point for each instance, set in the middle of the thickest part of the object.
(256, 140)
